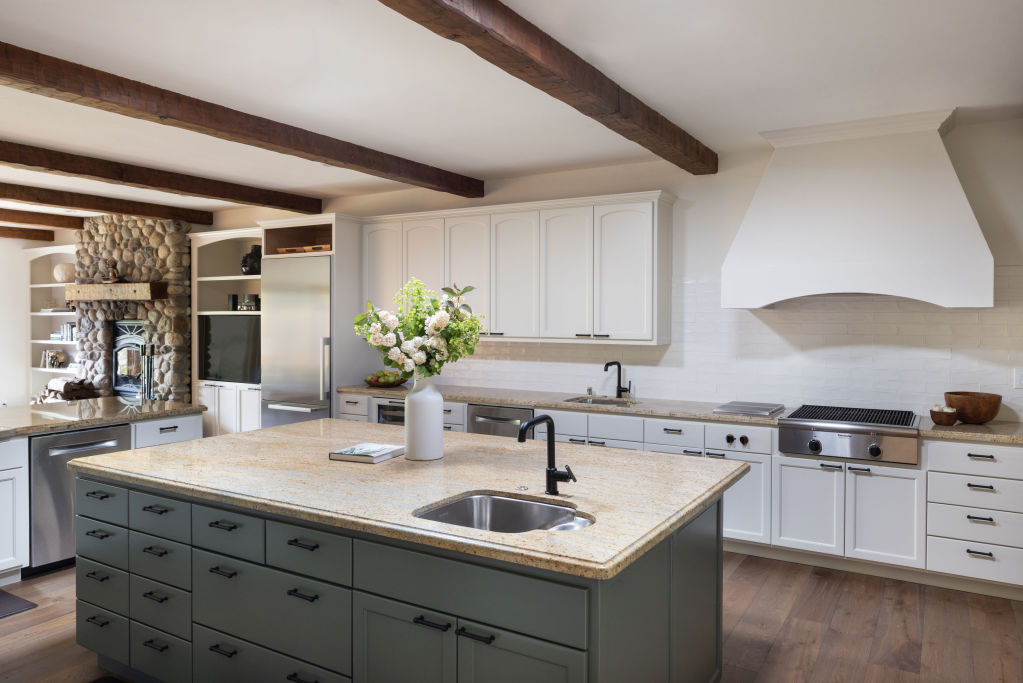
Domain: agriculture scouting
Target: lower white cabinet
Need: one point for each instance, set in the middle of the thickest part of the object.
(14, 528)
(885, 514)
(746, 511)
(230, 407)
(808, 504)
(250, 407)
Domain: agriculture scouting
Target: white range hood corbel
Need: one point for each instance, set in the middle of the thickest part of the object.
(869, 207)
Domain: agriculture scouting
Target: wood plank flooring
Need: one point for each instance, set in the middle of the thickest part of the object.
(782, 622)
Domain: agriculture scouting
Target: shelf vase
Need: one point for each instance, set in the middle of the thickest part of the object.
(424, 421)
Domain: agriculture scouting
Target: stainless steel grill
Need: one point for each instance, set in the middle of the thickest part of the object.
(856, 433)
(865, 416)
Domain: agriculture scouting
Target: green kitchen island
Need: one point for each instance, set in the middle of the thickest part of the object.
(253, 557)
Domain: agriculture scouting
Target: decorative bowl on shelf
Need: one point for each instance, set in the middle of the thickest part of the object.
(974, 407)
(386, 378)
(945, 418)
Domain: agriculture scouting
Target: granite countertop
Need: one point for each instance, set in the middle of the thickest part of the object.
(702, 411)
(90, 412)
(637, 499)
(1005, 433)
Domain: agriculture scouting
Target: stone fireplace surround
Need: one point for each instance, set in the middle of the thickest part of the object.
(146, 250)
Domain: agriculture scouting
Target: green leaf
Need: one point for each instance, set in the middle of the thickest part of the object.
(448, 291)
(468, 289)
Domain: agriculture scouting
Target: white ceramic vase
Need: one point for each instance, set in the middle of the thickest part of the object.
(424, 421)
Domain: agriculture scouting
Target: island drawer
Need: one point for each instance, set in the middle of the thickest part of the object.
(673, 433)
(101, 542)
(545, 609)
(979, 560)
(298, 616)
(975, 524)
(165, 657)
(758, 439)
(101, 585)
(979, 459)
(320, 554)
(229, 533)
(219, 657)
(164, 517)
(101, 501)
(101, 631)
(168, 430)
(161, 606)
(975, 491)
(160, 559)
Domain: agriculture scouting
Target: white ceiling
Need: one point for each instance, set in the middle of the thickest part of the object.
(353, 69)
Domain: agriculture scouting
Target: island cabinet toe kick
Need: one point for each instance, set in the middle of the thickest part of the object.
(175, 589)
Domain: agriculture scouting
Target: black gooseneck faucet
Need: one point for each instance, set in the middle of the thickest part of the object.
(554, 475)
(619, 389)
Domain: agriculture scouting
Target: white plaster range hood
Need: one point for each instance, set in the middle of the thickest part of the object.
(862, 207)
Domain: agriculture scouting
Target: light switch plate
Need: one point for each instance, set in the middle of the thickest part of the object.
(1017, 378)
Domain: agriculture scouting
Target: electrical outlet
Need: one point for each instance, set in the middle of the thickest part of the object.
(1017, 378)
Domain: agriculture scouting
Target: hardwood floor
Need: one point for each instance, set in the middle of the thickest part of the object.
(782, 622)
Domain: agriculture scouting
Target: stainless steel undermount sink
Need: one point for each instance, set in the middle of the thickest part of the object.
(602, 401)
(506, 515)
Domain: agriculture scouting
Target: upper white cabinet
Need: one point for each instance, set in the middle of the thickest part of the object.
(623, 271)
(383, 264)
(467, 255)
(423, 249)
(566, 272)
(515, 270)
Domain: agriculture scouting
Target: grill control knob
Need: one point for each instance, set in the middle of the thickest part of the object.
(874, 450)
(815, 446)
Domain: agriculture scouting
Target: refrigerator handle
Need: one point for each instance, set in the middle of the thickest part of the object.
(325, 369)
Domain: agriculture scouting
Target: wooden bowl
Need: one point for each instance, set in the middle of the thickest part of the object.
(944, 418)
(974, 407)
(373, 382)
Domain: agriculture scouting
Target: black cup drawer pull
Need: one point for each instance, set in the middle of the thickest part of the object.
(168, 430)
(978, 518)
(154, 645)
(226, 573)
(98, 495)
(296, 593)
(467, 634)
(156, 509)
(224, 526)
(98, 621)
(97, 533)
(220, 650)
(96, 576)
(980, 553)
(295, 678)
(982, 487)
(153, 550)
(982, 456)
(423, 621)
(156, 597)
(298, 543)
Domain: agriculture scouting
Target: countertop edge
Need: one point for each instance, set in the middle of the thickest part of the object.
(88, 423)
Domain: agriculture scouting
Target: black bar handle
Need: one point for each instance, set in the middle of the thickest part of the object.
(156, 509)
(672, 431)
(223, 650)
(858, 469)
(977, 518)
(712, 454)
(295, 593)
(496, 334)
(168, 430)
(985, 487)
(583, 334)
(601, 336)
(153, 645)
(153, 550)
(577, 440)
(423, 621)
(483, 639)
(156, 597)
(97, 533)
(983, 456)
(295, 678)
(829, 466)
(96, 576)
(981, 553)
(224, 526)
(226, 573)
(691, 452)
(98, 495)
(351, 403)
(99, 621)
(303, 545)
(597, 443)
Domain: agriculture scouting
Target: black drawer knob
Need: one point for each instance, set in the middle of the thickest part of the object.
(153, 550)
(226, 573)
(156, 597)
(98, 533)
(223, 526)
(98, 621)
(298, 543)
(156, 645)
(98, 495)
(220, 650)
(96, 576)
(156, 509)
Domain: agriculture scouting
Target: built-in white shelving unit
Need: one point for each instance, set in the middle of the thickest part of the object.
(45, 293)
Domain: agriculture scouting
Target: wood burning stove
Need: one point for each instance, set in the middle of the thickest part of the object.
(132, 366)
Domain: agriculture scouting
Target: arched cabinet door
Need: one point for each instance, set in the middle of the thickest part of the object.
(623, 271)
(515, 277)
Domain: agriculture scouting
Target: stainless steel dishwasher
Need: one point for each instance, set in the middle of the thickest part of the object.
(497, 420)
(52, 487)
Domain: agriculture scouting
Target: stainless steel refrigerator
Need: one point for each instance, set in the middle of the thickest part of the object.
(295, 344)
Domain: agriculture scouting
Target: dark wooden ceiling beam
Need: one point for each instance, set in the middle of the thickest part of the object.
(46, 75)
(50, 220)
(41, 196)
(53, 161)
(27, 234)
(510, 42)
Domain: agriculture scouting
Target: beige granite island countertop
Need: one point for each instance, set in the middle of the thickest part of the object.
(44, 418)
(702, 411)
(637, 498)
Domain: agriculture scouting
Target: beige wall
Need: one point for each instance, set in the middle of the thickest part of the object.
(14, 300)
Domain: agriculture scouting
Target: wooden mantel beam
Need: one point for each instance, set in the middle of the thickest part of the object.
(510, 42)
(41, 196)
(46, 75)
(26, 234)
(65, 163)
(50, 220)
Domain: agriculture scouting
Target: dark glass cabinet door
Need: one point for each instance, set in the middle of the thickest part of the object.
(397, 643)
(490, 655)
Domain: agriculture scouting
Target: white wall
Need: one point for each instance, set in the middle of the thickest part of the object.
(858, 350)
(14, 299)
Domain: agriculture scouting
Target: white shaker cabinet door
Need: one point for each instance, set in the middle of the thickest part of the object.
(746, 511)
(228, 409)
(467, 254)
(424, 252)
(566, 273)
(885, 510)
(207, 396)
(515, 274)
(249, 408)
(382, 244)
(14, 526)
(808, 504)
(623, 271)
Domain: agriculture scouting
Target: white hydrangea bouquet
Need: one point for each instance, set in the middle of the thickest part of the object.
(425, 332)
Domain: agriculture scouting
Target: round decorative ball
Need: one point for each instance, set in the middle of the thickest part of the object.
(64, 273)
